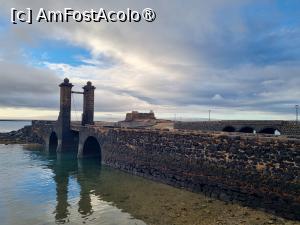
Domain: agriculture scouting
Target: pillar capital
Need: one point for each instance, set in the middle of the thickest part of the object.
(89, 86)
(66, 83)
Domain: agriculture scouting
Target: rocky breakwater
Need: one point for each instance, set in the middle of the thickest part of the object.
(255, 170)
(21, 136)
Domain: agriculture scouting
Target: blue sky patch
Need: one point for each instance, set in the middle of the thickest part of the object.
(54, 51)
(4, 25)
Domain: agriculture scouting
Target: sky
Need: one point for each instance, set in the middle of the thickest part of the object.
(239, 59)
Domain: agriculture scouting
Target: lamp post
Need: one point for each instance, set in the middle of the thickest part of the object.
(297, 110)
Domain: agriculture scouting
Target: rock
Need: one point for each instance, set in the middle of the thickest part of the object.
(21, 136)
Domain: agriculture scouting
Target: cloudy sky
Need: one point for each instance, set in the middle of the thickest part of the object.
(240, 59)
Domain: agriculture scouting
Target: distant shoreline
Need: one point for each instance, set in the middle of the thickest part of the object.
(16, 120)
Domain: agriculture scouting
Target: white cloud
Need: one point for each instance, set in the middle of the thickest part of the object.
(191, 58)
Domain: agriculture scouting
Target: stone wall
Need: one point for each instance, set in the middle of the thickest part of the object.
(44, 129)
(284, 127)
(256, 171)
(201, 125)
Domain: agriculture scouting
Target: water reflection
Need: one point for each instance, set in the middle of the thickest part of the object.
(87, 168)
(94, 194)
(61, 172)
(87, 172)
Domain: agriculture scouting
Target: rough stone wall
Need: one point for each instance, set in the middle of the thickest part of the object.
(291, 128)
(43, 129)
(203, 125)
(258, 172)
(285, 127)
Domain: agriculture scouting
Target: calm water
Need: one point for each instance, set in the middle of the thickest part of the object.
(40, 189)
(36, 188)
(6, 126)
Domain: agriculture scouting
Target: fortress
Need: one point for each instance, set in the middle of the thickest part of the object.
(259, 170)
(135, 115)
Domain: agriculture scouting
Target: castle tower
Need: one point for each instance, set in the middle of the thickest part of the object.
(88, 104)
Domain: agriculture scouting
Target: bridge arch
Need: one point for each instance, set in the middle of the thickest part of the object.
(270, 130)
(91, 148)
(53, 142)
(247, 129)
(229, 129)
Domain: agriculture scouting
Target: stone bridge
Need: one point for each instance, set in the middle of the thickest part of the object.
(244, 126)
(61, 135)
(256, 170)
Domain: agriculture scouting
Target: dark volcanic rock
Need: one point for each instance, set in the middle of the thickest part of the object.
(22, 136)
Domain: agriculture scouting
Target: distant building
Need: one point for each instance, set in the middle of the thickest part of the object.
(135, 115)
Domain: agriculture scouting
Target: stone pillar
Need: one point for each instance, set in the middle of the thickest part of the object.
(65, 102)
(88, 104)
(65, 137)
